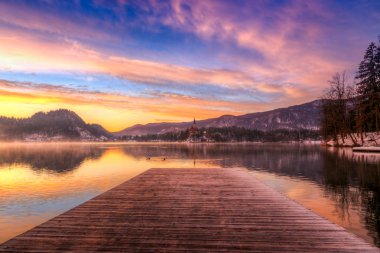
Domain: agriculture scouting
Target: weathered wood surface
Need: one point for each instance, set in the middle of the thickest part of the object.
(181, 210)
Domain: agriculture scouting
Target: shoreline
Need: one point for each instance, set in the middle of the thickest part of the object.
(157, 142)
(371, 139)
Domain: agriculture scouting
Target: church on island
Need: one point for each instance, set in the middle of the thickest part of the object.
(195, 134)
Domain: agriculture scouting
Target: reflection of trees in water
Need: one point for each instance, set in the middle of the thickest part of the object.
(350, 180)
(370, 201)
(291, 160)
(57, 158)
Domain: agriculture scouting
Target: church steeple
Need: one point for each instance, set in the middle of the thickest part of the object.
(193, 131)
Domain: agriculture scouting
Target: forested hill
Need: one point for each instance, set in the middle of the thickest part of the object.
(305, 116)
(54, 125)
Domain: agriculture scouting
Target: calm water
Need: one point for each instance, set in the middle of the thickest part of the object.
(40, 181)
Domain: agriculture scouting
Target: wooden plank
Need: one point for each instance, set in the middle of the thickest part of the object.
(182, 210)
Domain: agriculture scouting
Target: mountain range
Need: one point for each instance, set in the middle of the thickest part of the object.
(63, 124)
(304, 116)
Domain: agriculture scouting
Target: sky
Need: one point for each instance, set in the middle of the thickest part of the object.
(120, 63)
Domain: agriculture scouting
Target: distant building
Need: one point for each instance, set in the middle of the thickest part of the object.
(193, 132)
(195, 135)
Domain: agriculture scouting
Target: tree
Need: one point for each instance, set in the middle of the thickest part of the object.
(337, 109)
(368, 89)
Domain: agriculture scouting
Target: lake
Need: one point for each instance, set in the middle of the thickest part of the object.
(40, 181)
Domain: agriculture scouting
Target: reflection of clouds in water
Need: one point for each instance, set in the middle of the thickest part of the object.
(29, 197)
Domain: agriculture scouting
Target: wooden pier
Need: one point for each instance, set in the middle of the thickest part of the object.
(182, 210)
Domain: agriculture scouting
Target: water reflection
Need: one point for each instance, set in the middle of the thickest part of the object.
(353, 181)
(54, 157)
(350, 180)
(336, 183)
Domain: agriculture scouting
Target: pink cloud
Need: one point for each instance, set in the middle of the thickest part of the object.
(22, 16)
(159, 104)
(291, 44)
(295, 58)
(23, 52)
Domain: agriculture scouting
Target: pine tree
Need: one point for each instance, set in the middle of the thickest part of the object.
(368, 89)
(367, 71)
(377, 64)
(377, 71)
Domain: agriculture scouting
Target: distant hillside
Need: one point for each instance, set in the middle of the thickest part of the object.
(304, 116)
(54, 125)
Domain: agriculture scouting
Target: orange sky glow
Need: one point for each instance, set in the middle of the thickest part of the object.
(126, 63)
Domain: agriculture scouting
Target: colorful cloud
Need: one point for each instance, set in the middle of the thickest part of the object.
(138, 61)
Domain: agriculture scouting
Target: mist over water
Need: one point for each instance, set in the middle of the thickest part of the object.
(40, 181)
